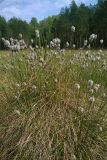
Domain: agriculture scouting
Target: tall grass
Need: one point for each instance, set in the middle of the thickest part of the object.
(44, 114)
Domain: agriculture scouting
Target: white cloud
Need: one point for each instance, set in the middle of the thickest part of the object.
(26, 9)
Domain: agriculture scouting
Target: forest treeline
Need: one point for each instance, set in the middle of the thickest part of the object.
(86, 19)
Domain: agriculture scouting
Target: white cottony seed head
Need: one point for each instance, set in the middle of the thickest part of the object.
(34, 87)
(56, 80)
(74, 46)
(101, 41)
(73, 28)
(103, 95)
(32, 40)
(96, 87)
(17, 112)
(37, 33)
(85, 42)
(20, 35)
(92, 99)
(74, 157)
(81, 109)
(101, 129)
(90, 83)
(77, 86)
(17, 85)
(67, 44)
(91, 91)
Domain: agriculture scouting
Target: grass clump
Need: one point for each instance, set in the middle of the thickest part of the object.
(49, 110)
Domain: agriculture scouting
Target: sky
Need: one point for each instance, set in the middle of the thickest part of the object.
(26, 9)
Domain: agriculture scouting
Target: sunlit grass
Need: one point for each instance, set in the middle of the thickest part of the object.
(48, 111)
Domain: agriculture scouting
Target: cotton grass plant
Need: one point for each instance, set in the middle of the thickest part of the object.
(47, 108)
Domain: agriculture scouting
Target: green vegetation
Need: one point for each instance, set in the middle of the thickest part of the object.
(53, 101)
(86, 19)
(53, 105)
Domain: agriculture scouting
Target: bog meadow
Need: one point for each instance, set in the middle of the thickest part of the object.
(53, 85)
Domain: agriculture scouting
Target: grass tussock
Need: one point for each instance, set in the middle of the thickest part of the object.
(53, 105)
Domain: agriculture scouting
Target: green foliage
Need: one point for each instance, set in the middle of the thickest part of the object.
(17, 26)
(86, 19)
